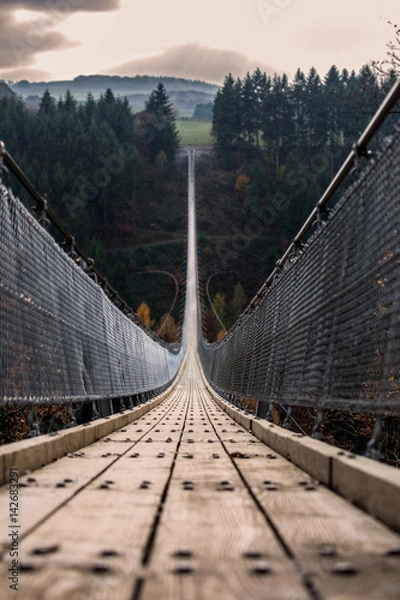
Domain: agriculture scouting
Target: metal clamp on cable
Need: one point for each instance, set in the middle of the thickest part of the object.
(43, 218)
(357, 168)
(295, 251)
(72, 252)
(277, 271)
(361, 150)
(39, 210)
(90, 270)
(319, 221)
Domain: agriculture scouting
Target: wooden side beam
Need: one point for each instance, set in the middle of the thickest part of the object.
(373, 486)
(31, 454)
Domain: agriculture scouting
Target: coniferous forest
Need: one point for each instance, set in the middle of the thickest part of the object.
(276, 115)
(114, 180)
(279, 144)
(105, 172)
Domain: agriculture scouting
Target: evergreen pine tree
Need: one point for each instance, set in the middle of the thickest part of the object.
(159, 128)
(315, 118)
(298, 98)
(227, 124)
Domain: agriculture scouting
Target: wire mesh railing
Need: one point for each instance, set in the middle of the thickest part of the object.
(324, 330)
(64, 337)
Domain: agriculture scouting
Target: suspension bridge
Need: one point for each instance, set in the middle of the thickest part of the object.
(172, 490)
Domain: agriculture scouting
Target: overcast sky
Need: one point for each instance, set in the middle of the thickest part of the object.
(60, 39)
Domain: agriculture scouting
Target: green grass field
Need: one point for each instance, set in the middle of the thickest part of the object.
(184, 113)
(194, 133)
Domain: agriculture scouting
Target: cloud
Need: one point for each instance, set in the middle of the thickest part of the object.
(192, 61)
(62, 6)
(21, 41)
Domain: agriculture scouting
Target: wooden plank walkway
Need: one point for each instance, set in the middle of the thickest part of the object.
(185, 504)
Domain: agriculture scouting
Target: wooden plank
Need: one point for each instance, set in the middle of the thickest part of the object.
(240, 416)
(62, 479)
(212, 541)
(96, 516)
(93, 546)
(375, 487)
(94, 543)
(369, 484)
(45, 490)
(34, 453)
(344, 553)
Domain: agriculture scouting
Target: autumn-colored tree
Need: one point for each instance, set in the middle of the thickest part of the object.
(168, 330)
(242, 183)
(143, 312)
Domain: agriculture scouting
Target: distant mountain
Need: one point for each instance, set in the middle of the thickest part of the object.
(185, 94)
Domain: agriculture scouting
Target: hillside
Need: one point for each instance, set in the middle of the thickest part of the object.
(274, 155)
(185, 94)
